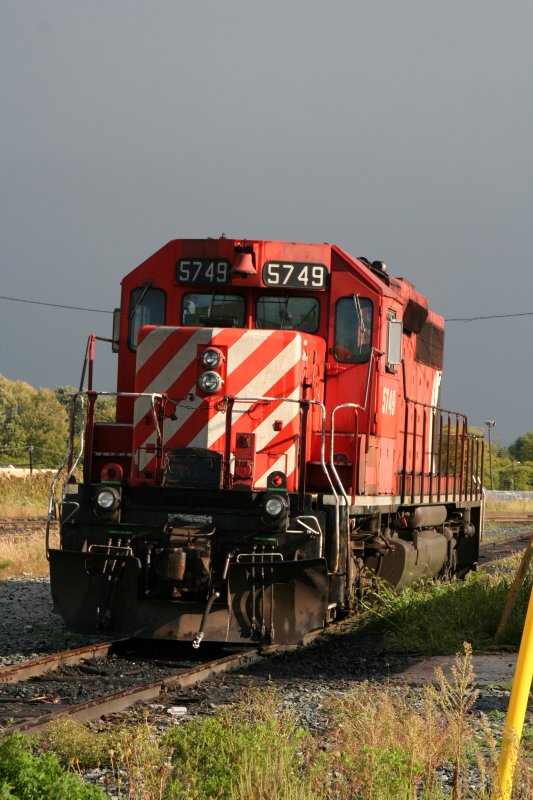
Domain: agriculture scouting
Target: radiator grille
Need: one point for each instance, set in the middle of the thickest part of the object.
(430, 345)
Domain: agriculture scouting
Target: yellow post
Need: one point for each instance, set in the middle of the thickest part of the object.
(517, 708)
(517, 583)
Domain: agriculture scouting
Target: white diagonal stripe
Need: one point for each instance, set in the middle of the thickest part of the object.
(150, 344)
(285, 412)
(175, 367)
(181, 360)
(260, 383)
(245, 346)
(286, 463)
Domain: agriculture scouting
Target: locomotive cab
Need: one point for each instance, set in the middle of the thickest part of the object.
(277, 441)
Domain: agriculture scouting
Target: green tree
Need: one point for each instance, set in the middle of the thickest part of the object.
(522, 449)
(498, 454)
(105, 410)
(31, 420)
(515, 475)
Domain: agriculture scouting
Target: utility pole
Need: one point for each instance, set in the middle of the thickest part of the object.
(490, 424)
(30, 449)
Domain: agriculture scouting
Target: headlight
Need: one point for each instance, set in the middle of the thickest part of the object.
(274, 506)
(210, 382)
(107, 499)
(211, 358)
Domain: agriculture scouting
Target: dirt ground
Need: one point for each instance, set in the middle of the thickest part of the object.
(490, 669)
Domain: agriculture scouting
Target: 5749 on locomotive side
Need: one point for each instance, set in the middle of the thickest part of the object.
(278, 441)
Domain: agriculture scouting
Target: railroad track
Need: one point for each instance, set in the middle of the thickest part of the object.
(101, 679)
(501, 548)
(509, 516)
(30, 689)
(24, 525)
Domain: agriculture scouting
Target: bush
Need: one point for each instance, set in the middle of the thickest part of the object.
(27, 776)
(253, 751)
(75, 744)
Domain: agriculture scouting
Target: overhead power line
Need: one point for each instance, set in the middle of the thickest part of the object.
(106, 311)
(489, 316)
(55, 305)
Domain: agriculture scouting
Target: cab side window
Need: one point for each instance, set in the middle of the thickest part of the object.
(353, 329)
(147, 307)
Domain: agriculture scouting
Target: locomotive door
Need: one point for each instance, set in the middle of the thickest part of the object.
(389, 401)
(351, 376)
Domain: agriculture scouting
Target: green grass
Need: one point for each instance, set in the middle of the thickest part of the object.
(435, 617)
(25, 556)
(519, 505)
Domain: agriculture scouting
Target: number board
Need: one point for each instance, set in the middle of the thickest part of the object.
(295, 275)
(202, 271)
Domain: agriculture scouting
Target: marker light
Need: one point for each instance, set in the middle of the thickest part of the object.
(210, 382)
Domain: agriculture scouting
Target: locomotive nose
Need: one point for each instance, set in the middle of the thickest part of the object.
(235, 394)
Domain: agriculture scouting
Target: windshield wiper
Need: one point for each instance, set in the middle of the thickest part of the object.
(286, 298)
(145, 288)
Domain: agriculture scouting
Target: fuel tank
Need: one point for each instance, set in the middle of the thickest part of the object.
(410, 559)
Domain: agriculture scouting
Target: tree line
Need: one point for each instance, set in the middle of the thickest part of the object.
(34, 426)
(34, 423)
(512, 466)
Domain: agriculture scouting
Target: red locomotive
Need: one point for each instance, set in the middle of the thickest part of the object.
(278, 441)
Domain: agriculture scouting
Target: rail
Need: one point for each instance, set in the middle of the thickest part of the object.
(442, 461)
(433, 466)
(229, 402)
(85, 434)
(118, 701)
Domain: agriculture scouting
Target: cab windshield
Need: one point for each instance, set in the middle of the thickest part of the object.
(288, 312)
(221, 310)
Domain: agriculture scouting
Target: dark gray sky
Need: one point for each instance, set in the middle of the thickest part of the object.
(399, 130)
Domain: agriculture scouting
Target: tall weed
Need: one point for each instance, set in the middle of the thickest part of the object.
(25, 495)
(24, 555)
(455, 699)
(389, 742)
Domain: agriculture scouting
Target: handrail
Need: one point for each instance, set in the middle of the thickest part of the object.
(357, 408)
(68, 462)
(230, 400)
(375, 352)
(447, 480)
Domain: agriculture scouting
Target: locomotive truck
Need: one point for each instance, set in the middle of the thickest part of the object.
(278, 446)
